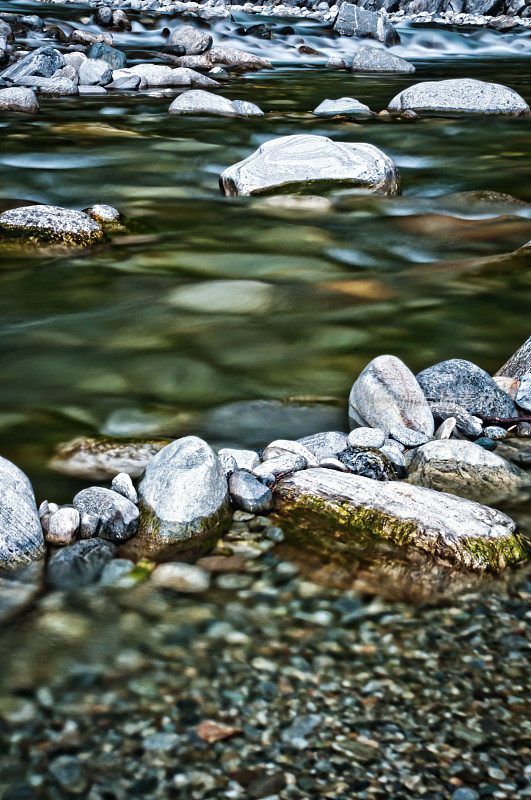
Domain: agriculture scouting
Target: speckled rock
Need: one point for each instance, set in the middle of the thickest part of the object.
(188, 40)
(387, 394)
(95, 71)
(18, 98)
(42, 62)
(329, 510)
(21, 539)
(465, 422)
(116, 59)
(249, 494)
(352, 20)
(184, 500)
(344, 106)
(51, 224)
(62, 526)
(106, 513)
(103, 213)
(466, 384)
(369, 463)
(305, 158)
(327, 444)
(237, 59)
(378, 59)
(464, 468)
(123, 484)
(242, 459)
(519, 363)
(101, 459)
(523, 395)
(366, 437)
(246, 109)
(460, 94)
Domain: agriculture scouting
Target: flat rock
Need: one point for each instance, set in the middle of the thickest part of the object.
(42, 62)
(80, 564)
(366, 437)
(377, 59)
(462, 382)
(188, 40)
(249, 494)
(51, 224)
(159, 75)
(197, 101)
(352, 20)
(519, 363)
(102, 458)
(55, 87)
(184, 500)
(21, 539)
(344, 106)
(523, 395)
(106, 514)
(18, 98)
(329, 510)
(327, 444)
(304, 158)
(237, 59)
(460, 94)
(466, 469)
(95, 71)
(386, 394)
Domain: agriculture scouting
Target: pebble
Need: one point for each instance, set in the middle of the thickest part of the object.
(122, 484)
(185, 578)
(495, 432)
(446, 428)
(69, 773)
(366, 437)
(62, 527)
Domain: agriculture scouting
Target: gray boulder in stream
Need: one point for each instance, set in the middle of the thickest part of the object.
(184, 501)
(333, 511)
(378, 59)
(462, 95)
(352, 20)
(463, 382)
(21, 538)
(304, 158)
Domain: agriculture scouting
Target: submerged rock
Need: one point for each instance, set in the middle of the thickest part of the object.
(21, 539)
(344, 106)
(460, 94)
(386, 394)
(519, 363)
(18, 98)
(184, 501)
(377, 59)
(466, 469)
(237, 59)
(329, 510)
(102, 458)
(51, 224)
(19, 589)
(462, 382)
(79, 564)
(305, 158)
(352, 20)
(197, 101)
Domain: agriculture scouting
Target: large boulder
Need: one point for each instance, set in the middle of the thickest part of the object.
(378, 59)
(352, 20)
(187, 40)
(184, 501)
(460, 94)
(466, 469)
(328, 511)
(18, 98)
(386, 394)
(519, 363)
(42, 62)
(50, 224)
(304, 158)
(462, 382)
(21, 538)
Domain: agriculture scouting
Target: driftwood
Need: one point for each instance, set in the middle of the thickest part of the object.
(504, 422)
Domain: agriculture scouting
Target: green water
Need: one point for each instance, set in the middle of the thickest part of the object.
(87, 334)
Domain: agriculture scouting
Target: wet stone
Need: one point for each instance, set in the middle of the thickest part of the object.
(42, 62)
(80, 564)
(50, 224)
(460, 95)
(114, 516)
(377, 59)
(249, 494)
(344, 106)
(370, 464)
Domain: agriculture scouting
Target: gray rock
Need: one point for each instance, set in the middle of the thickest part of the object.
(19, 589)
(103, 16)
(115, 516)
(101, 459)
(446, 428)
(523, 395)
(355, 21)
(335, 62)
(188, 41)
(325, 445)
(197, 101)
(42, 62)
(69, 72)
(94, 71)
(123, 484)
(80, 564)
(32, 22)
(246, 109)
(238, 59)
(51, 224)
(325, 509)
(69, 773)
(377, 59)
(344, 106)
(462, 382)
(298, 734)
(396, 457)
(462, 95)
(74, 59)
(159, 75)
(333, 463)
(18, 98)
(62, 526)
(181, 578)
(55, 87)
(280, 466)
(370, 463)
(113, 571)
(91, 89)
(103, 213)
(184, 500)
(228, 463)
(515, 450)
(519, 363)
(125, 82)
(366, 437)
(466, 469)
(407, 437)
(243, 459)
(306, 158)
(465, 422)
(495, 432)
(249, 494)
(281, 446)
(21, 539)
(116, 59)
(387, 394)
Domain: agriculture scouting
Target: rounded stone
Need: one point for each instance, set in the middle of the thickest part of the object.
(181, 578)
(344, 106)
(18, 98)
(52, 224)
(378, 59)
(460, 95)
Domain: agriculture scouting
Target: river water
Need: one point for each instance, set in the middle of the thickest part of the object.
(210, 301)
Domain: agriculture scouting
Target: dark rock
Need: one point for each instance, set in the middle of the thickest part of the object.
(467, 423)
(261, 31)
(483, 7)
(80, 564)
(355, 21)
(42, 62)
(468, 385)
(104, 52)
(368, 463)
(21, 539)
(486, 443)
(249, 494)
(106, 513)
(121, 21)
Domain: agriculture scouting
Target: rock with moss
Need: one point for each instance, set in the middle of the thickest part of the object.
(101, 458)
(183, 501)
(50, 225)
(466, 469)
(332, 511)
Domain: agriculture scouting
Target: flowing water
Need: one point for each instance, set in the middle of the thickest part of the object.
(210, 300)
